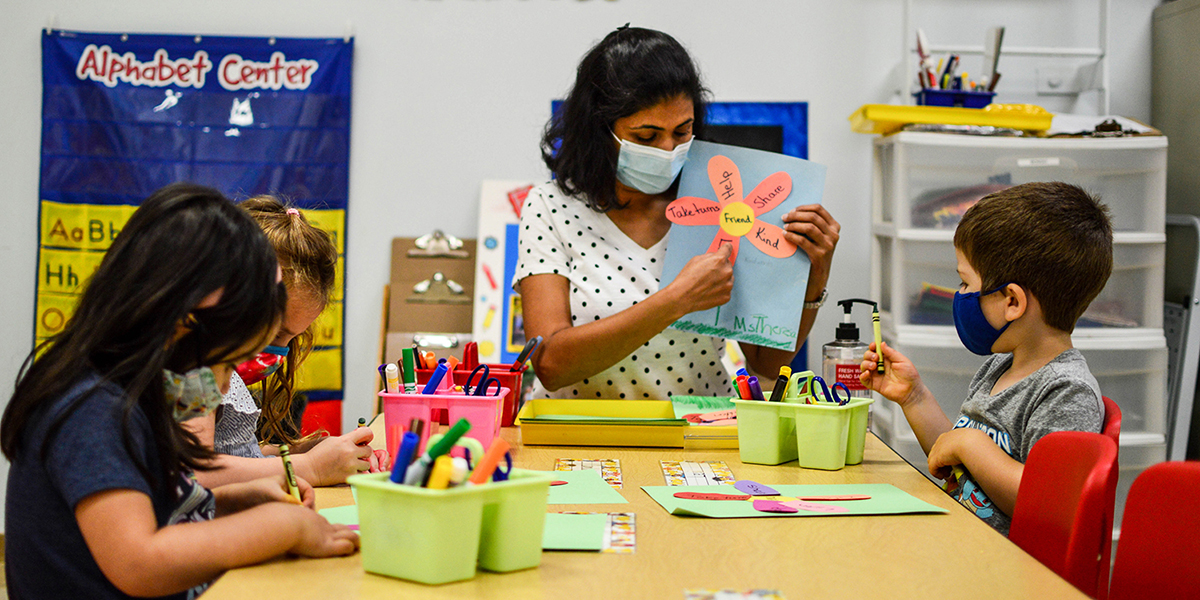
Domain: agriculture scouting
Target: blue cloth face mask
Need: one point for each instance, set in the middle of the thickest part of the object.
(192, 394)
(973, 328)
(648, 169)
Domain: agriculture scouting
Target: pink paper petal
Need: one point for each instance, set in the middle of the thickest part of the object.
(691, 210)
(710, 496)
(769, 193)
(814, 507)
(725, 178)
(774, 506)
(770, 240)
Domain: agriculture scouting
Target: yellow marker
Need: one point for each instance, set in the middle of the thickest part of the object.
(878, 338)
(289, 474)
(439, 477)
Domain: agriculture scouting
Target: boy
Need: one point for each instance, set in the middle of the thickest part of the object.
(1031, 259)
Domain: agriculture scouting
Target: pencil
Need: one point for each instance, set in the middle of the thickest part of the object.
(878, 339)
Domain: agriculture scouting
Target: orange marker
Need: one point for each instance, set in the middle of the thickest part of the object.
(487, 464)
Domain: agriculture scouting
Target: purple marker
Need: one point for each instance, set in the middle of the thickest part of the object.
(755, 389)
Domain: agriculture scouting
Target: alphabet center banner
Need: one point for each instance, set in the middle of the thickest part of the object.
(123, 115)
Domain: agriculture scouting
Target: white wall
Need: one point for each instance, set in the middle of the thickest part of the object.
(450, 92)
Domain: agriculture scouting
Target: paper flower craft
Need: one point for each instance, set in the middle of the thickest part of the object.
(737, 215)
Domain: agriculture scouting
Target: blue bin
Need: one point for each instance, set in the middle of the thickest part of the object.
(955, 98)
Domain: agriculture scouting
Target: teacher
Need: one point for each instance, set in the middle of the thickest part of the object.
(592, 242)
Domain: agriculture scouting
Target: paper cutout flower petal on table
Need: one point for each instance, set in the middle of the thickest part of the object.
(735, 215)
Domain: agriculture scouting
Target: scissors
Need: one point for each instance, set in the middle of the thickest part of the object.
(502, 474)
(484, 381)
(834, 397)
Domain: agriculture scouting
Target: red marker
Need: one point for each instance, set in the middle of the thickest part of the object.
(488, 273)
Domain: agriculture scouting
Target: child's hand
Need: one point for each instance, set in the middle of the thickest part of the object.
(336, 458)
(947, 451)
(320, 538)
(236, 497)
(899, 379)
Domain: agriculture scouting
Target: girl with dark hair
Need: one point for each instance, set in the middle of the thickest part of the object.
(246, 428)
(592, 241)
(101, 499)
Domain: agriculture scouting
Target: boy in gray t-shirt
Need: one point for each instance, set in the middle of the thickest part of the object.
(1031, 259)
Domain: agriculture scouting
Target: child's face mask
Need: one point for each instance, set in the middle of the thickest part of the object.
(192, 394)
(258, 368)
(973, 328)
(648, 169)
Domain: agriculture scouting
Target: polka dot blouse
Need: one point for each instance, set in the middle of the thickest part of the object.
(608, 272)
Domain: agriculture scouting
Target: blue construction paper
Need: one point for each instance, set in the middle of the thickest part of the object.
(768, 292)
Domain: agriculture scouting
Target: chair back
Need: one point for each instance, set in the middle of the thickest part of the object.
(1158, 555)
(1063, 515)
(1112, 421)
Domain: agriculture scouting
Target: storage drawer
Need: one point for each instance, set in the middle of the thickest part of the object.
(927, 180)
(1134, 375)
(915, 280)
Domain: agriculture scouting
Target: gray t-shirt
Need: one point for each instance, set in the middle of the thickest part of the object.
(1061, 396)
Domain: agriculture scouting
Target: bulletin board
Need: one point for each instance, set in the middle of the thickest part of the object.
(124, 115)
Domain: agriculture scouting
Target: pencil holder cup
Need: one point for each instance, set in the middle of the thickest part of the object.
(508, 379)
(482, 412)
(439, 536)
(819, 436)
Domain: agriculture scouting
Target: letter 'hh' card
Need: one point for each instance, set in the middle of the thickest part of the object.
(738, 196)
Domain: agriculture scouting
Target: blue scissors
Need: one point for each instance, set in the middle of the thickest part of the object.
(833, 398)
(484, 381)
(501, 474)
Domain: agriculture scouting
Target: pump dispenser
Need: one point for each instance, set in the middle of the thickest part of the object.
(842, 356)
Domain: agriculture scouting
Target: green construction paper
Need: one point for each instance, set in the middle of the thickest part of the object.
(686, 405)
(341, 515)
(583, 487)
(886, 499)
(574, 532)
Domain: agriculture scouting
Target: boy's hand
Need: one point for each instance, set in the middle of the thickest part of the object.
(898, 382)
(947, 451)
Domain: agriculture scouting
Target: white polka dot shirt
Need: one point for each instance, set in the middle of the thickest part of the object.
(607, 273)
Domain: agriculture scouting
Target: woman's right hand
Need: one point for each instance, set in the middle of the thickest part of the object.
(706, 281)
(320, 538)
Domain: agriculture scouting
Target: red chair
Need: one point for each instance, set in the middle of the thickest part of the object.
(1063, 515)
(1158, 555)
(1112, 421)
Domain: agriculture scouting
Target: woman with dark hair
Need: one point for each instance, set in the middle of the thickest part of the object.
(592, 242)
(101, 499)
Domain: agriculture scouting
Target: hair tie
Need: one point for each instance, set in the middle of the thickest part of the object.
(292, 211)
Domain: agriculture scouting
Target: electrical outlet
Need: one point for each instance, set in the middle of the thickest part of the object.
(1057, 80)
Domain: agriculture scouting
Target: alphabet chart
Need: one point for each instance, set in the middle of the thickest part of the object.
(686, 472)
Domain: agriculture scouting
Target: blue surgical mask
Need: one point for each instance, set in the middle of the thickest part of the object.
(192, 394)
(648, 169)
(973, 328)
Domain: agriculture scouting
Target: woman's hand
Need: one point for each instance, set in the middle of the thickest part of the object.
(336, 458)
(816, 232)
(705, 281)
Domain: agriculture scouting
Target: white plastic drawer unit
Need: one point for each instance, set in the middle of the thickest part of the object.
(914, 277)
(1133, 375)
(927, 180)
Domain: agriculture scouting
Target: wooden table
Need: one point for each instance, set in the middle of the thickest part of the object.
(904, 556)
